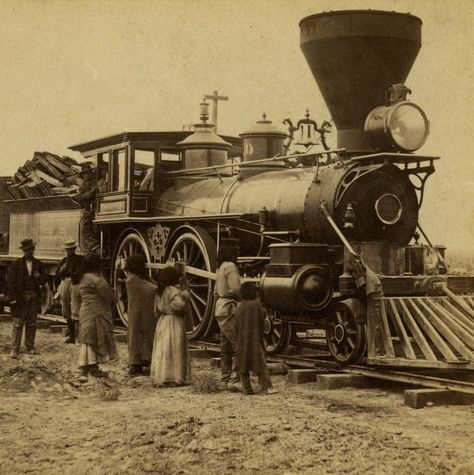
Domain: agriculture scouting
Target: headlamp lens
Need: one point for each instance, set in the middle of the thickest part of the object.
(409, 127)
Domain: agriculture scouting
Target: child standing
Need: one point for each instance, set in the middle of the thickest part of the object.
(170, 361)
(250, 317)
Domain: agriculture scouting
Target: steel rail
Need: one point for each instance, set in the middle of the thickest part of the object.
(385, 374)
(315, 361)
(311, 361)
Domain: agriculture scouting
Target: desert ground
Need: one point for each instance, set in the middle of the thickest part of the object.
(51, 424)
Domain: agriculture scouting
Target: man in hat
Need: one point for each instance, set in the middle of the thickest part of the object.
(26, 277)
(86, 197)
(68, 274)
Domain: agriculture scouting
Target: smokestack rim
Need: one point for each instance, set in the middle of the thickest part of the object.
(362, 12)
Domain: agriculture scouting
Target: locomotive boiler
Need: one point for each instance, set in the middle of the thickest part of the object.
(330, 236)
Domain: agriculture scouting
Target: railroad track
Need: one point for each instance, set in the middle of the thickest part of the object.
(315, 361)
(318, 361)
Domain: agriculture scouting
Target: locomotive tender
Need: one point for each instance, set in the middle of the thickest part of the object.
(325, 234)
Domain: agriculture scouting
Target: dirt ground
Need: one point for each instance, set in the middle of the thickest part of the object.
(50, 424)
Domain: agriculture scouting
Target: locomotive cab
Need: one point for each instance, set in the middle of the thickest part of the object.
(127, 171)
(130, 170)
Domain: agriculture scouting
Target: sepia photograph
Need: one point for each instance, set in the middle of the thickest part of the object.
(237, 237)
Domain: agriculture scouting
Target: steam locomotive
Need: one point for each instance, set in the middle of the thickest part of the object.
(327, 234)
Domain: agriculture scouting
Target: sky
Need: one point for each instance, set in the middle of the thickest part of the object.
(77, 70)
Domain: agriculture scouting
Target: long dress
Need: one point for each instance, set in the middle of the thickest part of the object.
(141, 318)
(96, 335)
(170, 361)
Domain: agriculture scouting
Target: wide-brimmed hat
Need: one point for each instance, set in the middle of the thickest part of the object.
(72, 244)
(27, 244)
(86, 167)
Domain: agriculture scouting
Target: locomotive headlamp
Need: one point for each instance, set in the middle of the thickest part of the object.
(401, 127)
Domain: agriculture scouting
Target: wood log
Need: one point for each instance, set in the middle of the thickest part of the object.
(25, 191)
(34, 189)
(55, 160)
(46, 167)
(69, 161)
(48, 179)
(14, 192)
(64, 190)
(33, 177)
(18, 177)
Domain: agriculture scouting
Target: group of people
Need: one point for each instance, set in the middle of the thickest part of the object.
(157, 340)
(86, 300)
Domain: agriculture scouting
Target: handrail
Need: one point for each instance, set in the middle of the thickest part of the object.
(253, 162)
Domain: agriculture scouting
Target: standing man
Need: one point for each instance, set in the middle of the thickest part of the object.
(26, 277)
(69, 274)
(86, 198)
(228, 294)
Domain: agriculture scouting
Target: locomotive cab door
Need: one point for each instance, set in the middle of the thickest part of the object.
(113, 182)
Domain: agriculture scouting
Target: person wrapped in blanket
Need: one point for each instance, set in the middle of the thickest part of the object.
(250, 354)
(141, 291)
(96, 335)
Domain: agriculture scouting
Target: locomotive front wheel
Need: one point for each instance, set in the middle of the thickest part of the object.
(132, 243)
(197, 252)
(276, 334)
(346, 338)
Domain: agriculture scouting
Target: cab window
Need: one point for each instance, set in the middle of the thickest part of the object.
(143, 173)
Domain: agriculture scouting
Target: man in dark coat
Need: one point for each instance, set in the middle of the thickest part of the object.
(69, 274)
(26, 277)
(86, 198)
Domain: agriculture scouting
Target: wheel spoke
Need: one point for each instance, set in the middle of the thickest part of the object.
(196, 312)
(192, 254)
(195, 253)
(352, 346)
(130, 245)
(197, 297)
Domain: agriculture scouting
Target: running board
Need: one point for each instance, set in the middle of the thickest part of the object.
(422, 332)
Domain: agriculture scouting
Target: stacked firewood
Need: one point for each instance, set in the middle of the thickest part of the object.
(46, 174)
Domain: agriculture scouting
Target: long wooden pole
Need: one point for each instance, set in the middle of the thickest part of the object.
(337, 230)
